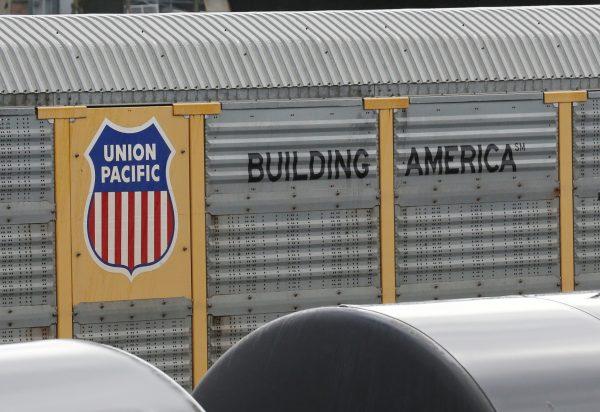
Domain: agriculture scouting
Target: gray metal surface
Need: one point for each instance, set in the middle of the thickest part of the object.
(27, 271)
(477, 249)
(291, 155)
(157, 330)
(72, 376)
(468, 224)
(226, 331)
(146, 97)
(487, 149)
(537, 353)
(27, 323)
(292, 217)
(280, 252)
(269, 50)
(26, 159)
(586, 176)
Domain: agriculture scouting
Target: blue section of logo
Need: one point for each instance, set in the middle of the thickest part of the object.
(130, 162)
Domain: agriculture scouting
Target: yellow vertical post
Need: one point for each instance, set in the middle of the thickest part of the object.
(62, 199)
(565, 100)
(387, 225)
(196, 113)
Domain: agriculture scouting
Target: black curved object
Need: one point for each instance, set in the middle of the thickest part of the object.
(339, 359)
(509, 354)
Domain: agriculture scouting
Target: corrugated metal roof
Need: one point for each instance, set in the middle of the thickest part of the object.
(266, 50)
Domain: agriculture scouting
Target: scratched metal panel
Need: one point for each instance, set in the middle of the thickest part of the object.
(291, 155)
(27, 323)
(157, 330)
(586, 175)
(466, 225)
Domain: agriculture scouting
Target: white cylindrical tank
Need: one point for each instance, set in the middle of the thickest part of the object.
(75, 376)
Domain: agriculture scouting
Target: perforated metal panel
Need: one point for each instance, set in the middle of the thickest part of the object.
(292, 218)
(477, 249)
(26, 157)
(249, 254)
(27, 272)
(476, 184)
(27, 265)
(586, 175)
(226, 331)
(27, 323)
(157, 330)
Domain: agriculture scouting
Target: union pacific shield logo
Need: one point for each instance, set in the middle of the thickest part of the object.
(131, 220)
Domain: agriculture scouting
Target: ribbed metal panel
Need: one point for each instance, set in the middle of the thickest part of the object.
(292, 218)
(268, 50)
(308, 155)
(27, 271)
(477, 249)
(26, 158)
(586, 175)
(261, 262)
(226, 331)
(27, 274)
(157, 330)
(27, 323)
(449, 150)
(476, 180)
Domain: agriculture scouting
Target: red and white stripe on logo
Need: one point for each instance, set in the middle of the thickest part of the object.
(130, 229)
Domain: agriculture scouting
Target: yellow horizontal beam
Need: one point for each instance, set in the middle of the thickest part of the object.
(383, 103)
(565, 96)
(198, 108)
(61, 112)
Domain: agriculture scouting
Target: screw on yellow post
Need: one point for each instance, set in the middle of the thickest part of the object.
(196, 113)
(387, 226)
(61, 115)
(565, 100)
